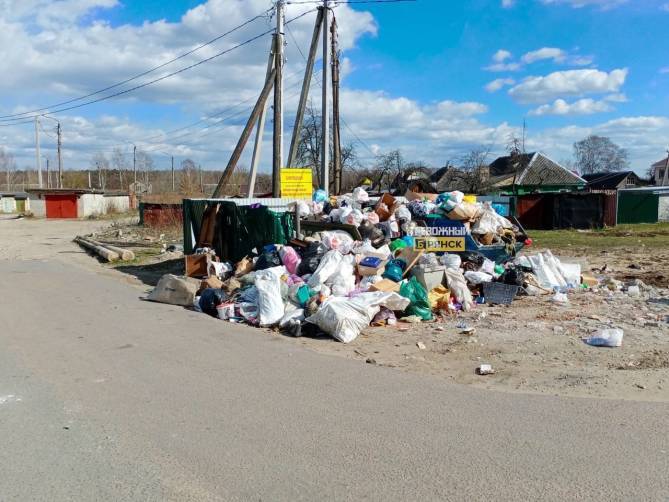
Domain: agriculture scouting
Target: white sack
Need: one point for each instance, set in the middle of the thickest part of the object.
(328, 266)
(456, 283)
(270, 303)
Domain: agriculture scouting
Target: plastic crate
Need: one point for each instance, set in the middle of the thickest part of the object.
(499, 293)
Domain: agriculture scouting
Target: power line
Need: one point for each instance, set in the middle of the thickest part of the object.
(177, 72)
(139, 75)
(362, 143)
(340, 2)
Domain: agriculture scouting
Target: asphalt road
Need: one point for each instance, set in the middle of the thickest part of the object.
(106, 397)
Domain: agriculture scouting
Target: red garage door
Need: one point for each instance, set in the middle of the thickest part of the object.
(61, 206)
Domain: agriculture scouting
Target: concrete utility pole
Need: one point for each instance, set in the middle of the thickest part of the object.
(38, 157)
(199, 167)
(666, 171)
(99, 175)
(277, 163)
(261, 128)
(325, 125)
(306, 84)
(173, 185)
(89, 180)
(48, 174)
(60, 156)
(336, 133)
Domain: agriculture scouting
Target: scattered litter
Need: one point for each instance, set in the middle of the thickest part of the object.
(485, 369)
(421, 345)
(605, 338)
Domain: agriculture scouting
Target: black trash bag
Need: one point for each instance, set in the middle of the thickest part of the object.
(268, 258)
(369, 231)
(513, 277)
(311, 257)
(210, 299)
(471, 260)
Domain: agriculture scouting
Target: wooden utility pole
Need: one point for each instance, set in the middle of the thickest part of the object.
(277, 161)
(336, 133)
(261, 128)
(134, 166)
(325, 119)
(306, 84)
(60, 156)
(173, 184)
(237, 152)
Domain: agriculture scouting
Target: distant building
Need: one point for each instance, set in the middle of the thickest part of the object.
(76, 203)
(531, 173)
(612, 181)
(657, 171)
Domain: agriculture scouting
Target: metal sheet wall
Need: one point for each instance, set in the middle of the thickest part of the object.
(637, 207)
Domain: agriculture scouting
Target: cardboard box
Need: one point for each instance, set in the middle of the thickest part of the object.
(197, 265)
(589, 280)
(385, 286)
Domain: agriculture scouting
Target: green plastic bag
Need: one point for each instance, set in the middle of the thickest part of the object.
(419, 302)
(397, 244)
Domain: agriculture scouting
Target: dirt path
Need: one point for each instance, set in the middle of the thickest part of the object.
(534, 345)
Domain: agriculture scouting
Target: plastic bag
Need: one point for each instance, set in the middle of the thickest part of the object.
(360, 195)
(311, 258)
(290, 259)
(270, 303)
(402, 213)
(343, 318)
(452, 261)
(395, 270)
(372, 218)
(320, 195)
(269, 258)
(490, 222)
(420, 304)
(476, 278)
(355, 218)
(293, 315)
(210, 299)
(339, 240)
(457, 284)
(328, 266)
(439, 298)
(606, 338)
(342, 281)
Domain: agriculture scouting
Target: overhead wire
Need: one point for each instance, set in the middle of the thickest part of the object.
(144, 73)
(177, 72)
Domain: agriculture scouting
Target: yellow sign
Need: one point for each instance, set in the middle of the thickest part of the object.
(440, 244)
(296, 183)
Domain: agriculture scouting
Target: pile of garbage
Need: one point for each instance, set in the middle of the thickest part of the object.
(330, 282)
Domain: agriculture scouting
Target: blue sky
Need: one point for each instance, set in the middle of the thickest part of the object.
(433, 78)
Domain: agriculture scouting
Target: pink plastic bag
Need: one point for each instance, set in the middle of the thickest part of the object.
(290, 259)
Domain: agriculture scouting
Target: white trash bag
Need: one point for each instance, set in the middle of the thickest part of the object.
(328, 266)
(457, 284)
(270, 303)
(606, 338)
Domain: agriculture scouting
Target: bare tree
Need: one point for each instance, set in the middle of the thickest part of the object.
(8, 165)
(120, 163)
(598, 154)
(100, 163)
(189, 184)
(309, 148)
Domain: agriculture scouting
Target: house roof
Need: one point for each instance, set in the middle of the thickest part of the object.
(660, 163)
(607, 181)
(534, 169)
(504, 166)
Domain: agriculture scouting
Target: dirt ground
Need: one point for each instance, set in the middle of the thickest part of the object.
(533, 345)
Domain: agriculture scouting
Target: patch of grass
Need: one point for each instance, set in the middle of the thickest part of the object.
(623, 236)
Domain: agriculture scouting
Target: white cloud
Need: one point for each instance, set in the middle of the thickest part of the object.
(665, 7)
(498, 84)
(664, 70)
(644, 137)
(581, 60)
(568, 83)
(500, 67)
(501, 55)
(508, 3)
(585, 106)
(557, 55)
(616, 98)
